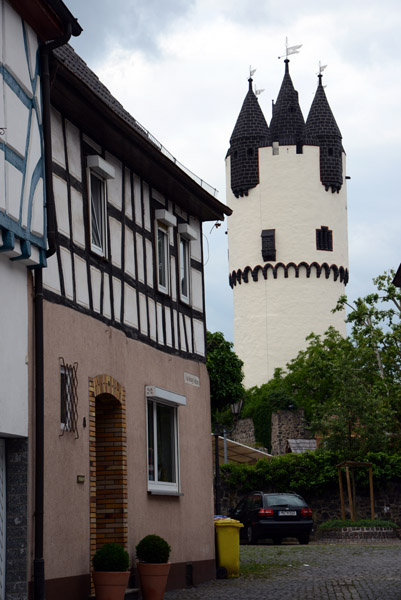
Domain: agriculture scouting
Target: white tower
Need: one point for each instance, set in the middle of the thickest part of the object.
(287, 236)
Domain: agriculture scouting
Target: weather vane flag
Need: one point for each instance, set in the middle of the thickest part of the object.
(290, 49)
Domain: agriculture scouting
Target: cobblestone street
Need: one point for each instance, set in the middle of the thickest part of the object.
(369, 571)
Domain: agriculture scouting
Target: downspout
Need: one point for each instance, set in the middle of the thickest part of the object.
(38, 562)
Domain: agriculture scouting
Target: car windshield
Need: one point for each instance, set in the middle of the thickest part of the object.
(283, 500)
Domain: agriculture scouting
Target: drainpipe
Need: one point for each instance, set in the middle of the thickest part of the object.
(38, 562)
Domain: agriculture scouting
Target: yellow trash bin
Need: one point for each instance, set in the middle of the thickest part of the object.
(227, 546)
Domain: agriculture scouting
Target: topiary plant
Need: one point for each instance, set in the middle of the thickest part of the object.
(111, 557)
(153, 549)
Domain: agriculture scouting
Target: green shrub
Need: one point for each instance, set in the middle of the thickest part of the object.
(308, 473)
(338, 524)
(111, 557)
(153, 549)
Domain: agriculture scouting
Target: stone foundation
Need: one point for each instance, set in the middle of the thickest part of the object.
(357, 534)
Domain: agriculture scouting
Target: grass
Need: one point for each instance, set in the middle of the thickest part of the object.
(338, 524)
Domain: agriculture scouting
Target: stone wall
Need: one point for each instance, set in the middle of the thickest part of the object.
(287, 424)
(244, 432)
(17, 521)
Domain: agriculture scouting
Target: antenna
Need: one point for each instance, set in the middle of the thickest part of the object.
(290, 49)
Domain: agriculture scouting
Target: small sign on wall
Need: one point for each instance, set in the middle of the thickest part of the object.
(192, 379)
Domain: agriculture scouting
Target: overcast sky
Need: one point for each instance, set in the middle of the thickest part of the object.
(180, 67)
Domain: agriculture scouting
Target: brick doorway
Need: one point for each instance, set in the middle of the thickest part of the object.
(108, 463)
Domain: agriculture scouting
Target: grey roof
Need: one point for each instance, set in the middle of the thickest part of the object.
(72, 61)
(299, 446)
(251, 123)
(287, 125)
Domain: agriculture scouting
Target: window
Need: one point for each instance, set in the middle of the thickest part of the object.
(324, 239)
(98, 214)
(268, 244)
(68, 397)
(162, 258)
(98, 172)
(164, 220)
(184, 269)
(186, 234)
(162, 440)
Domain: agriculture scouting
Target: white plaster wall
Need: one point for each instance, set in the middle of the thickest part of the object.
(14, 340)
(273, 317)
(292, 200)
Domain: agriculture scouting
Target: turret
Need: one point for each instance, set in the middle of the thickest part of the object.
(322, 129)
(250, 133)
(287, 125)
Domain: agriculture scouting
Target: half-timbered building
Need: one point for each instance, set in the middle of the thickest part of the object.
(127, 411)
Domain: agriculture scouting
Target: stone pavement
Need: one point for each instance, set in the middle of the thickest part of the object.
(367, 571)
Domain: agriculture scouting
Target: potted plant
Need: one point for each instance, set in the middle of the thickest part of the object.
(152, 554)
(110, 572)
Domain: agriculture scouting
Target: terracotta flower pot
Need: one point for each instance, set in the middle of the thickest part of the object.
(153, 578)
(110, 585)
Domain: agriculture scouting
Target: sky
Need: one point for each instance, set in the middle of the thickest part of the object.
(180, 67)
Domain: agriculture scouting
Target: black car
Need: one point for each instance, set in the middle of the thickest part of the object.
(273, 515)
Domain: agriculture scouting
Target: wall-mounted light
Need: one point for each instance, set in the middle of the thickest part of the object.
(80, 478)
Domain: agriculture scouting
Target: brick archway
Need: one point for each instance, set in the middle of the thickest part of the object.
(108, 462)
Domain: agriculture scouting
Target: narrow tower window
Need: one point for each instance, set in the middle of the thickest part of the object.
(324, 239)
(268, 244)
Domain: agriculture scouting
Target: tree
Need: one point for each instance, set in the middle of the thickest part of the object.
(376, 324)
(225, 373)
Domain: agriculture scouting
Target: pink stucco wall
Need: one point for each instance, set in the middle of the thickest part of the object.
(186, 522)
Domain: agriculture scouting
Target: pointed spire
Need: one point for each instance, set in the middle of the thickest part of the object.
(287, 125)
(250, 133)
(322, 129)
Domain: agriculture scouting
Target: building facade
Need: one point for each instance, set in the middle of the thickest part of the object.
(105, 405)
(127, 408)
(287, 236)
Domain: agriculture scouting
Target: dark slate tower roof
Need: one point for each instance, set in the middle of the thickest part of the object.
(250, 133)
(322, 129)
(287, 125)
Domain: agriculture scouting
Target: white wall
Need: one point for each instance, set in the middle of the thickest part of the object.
(14, 349)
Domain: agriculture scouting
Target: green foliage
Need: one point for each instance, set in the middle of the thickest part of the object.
(338, 524)
(308, 473)
(260, 403)
(225, 373)
(153, 549)
(111, 557)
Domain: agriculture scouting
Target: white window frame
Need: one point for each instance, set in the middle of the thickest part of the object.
(163, 258)
(185, 235)
(158, 397)
(184, 266)
(164, 221)
(100, 170)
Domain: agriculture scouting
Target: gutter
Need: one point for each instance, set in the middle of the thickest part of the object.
(38, 561)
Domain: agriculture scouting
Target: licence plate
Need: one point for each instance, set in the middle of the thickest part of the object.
(287, 513)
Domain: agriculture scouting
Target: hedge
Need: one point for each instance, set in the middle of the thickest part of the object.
(307, 473)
